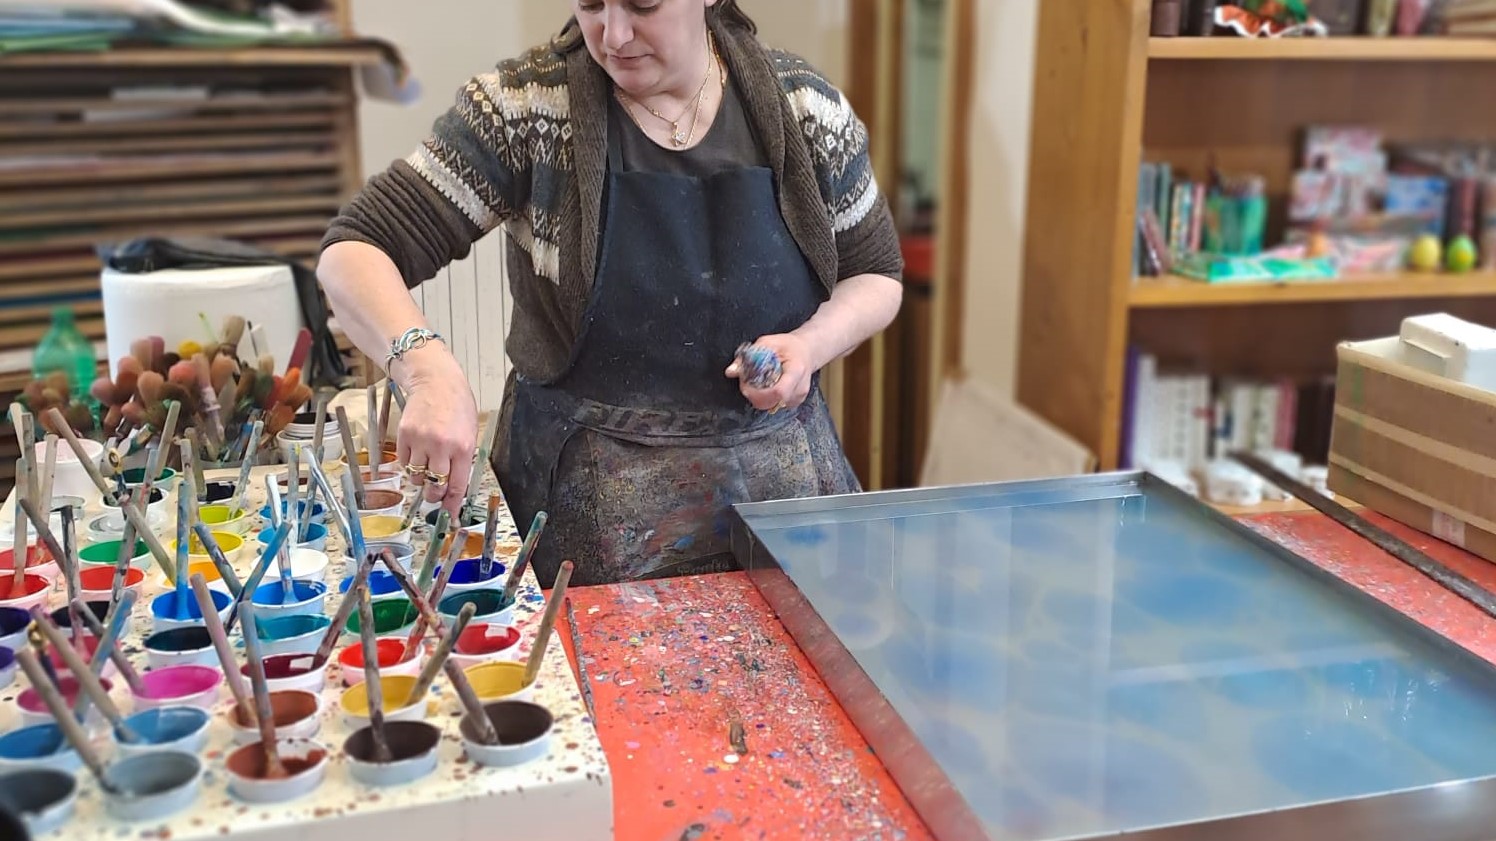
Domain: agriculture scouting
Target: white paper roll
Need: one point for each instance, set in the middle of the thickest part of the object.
(167, 304)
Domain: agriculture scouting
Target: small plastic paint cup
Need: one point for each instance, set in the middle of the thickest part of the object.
(385, 528)
(13, 625)
(135, 477)
(171, 728)
(524, 731)
(89, 644)
(152, 786)
(62, 617)
(392, 660)
(291, 672)
(489, 606)
(39, 562)
(413, 745)
(485, 642)
(38, 746)
(315, 534)
(35, 711)
(354, 702)
(319, 511)
(306, 565)
(387, 459)
(221, 517)
(186, 686)
(98, 582)
(296, 713)
(382, 585)
(34, 589)
(229, 544)
(403, 553)
(43, 797)
(157, 506)
(307, 597)
(7, 667)
(383, 503)
(299, 634)
(107, 552)
(187, 646)
(218, 491)
(499, 681)
(391, 616)
(468, 575)
(305, 762)
(164, 614)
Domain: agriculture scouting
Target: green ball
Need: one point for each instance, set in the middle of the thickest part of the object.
(1461, 255)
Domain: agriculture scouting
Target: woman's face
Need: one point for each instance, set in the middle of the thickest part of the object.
(645, 45)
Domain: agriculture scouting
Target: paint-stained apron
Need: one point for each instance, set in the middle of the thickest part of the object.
(637, 451)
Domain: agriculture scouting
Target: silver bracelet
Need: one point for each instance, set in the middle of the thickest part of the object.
(415, 337)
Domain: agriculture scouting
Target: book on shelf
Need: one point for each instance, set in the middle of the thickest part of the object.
(1183, 417)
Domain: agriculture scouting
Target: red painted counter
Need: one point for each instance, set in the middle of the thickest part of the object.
(673, 665)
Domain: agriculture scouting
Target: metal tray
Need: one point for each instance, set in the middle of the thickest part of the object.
(1083, 657)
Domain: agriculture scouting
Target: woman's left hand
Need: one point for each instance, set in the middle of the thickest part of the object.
(793, 386)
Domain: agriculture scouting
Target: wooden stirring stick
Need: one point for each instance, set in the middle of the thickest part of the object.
(433, 547)
(120, 660)
(273, 767)
(89, 684)
(59, 707)
(490, 531)
(20, 555)
(373, 440)
(226, 659)
(547, 622)
(122, 560)
(439, 657)
(345, 610)
(220, 563)
(114, 623)
(135, 516)
(511, 584)
(373, 689)
(49, 472)
(352, 456)
(384, 425)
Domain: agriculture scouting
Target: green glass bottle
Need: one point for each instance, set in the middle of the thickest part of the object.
(65, 349)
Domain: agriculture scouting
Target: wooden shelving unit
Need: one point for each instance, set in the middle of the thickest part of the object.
(1107, 97)
(252, 143)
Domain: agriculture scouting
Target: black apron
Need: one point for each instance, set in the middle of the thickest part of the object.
(638, 450)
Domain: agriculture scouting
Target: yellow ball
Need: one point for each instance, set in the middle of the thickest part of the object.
(1426, 253)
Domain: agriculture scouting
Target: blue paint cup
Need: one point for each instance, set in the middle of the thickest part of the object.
(489, 606)
(468, 575)
(38, 746)
(164, 610)
(307, 597)
(175, 728)
(319, 511)
(382, 585)
(300, 634)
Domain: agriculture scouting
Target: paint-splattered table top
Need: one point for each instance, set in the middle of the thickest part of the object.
(563, 796)
(673, 665)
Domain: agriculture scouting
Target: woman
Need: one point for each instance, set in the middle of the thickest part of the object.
(671, 190)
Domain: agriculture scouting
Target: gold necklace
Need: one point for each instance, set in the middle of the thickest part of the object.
(679, 138)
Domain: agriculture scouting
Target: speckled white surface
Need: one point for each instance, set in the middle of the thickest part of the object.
(565, 795)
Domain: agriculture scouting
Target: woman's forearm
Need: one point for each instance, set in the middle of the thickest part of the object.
(373, 307)
(859, 308)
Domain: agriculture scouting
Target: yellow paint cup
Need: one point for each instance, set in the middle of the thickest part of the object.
(384, 528)
(499, 681)
(220, 518)
(395, 688)
(228, 543)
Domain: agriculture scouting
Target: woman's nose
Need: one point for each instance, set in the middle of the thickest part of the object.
(618, 30)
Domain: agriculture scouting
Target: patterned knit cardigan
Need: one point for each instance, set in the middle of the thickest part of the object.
(525, 147)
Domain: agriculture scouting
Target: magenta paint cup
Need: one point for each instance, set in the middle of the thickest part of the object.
(34, 710)
(187, 686)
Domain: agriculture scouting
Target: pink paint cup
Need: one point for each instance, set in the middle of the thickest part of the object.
(34, 710)
(190, 686)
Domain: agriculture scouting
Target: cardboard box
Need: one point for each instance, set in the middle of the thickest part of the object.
(1416, 447)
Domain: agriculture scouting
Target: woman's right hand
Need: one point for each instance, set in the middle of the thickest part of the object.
(439, 424)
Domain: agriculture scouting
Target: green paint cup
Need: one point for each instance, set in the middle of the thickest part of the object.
(105, 553)
(390, 616)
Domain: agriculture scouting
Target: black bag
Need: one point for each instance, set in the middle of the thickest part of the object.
(324, 365)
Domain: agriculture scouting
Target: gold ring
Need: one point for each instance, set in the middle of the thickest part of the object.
(436, 478)
(413, 469)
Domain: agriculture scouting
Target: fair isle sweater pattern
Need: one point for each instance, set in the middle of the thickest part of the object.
(511, 129)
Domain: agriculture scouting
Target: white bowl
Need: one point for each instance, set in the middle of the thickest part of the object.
(205, 683)
(183, 769)
(306, 565)
(304, 642)
(172, 655)
(524, 731)
(303, 728)
(254, 789)
(332, 443)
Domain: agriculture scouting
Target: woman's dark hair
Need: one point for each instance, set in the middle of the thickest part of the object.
(727, 11)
